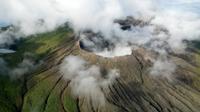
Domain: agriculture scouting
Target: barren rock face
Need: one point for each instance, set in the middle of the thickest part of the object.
(135, 90)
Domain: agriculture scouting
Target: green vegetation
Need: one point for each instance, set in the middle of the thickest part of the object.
(69, 103)
(54, 103)
(38, 46)
(6, 107)
(37, 96)
(10, 94)
(196, 80)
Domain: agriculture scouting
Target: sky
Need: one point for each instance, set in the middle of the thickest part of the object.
(187, 5)
(3, 23)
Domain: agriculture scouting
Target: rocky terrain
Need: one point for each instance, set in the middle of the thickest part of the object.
(45, 89)
(99, 56)
(134, 91)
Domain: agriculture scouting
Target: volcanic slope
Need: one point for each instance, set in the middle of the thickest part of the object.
(135, 90)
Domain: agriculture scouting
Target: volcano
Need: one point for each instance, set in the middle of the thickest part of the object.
(75, 75)
(99, 56)
(134, 91)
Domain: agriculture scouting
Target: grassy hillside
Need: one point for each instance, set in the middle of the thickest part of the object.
(37, 47)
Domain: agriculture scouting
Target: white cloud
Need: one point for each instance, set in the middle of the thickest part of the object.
(97, 15)
(34, 16)
(26, 13)
(22, 68)
(164, 68)
(87, 80)
(25, 66)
